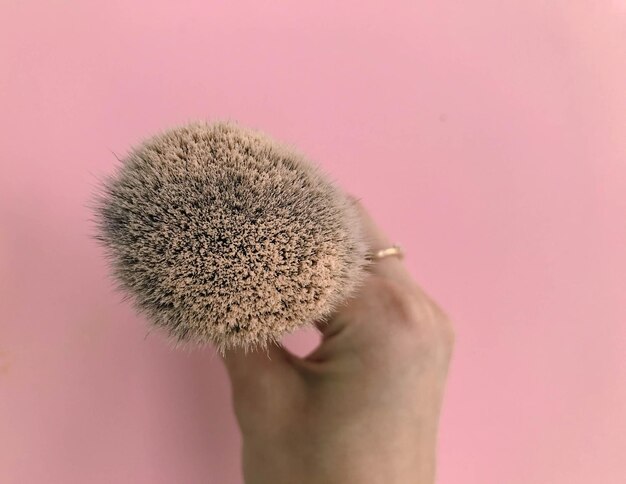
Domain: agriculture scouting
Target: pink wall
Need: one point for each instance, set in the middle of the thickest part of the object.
(487, 136)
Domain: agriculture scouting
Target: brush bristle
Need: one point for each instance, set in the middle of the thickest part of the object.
(221, 235)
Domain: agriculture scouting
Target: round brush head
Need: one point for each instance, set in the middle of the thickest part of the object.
(221, 235)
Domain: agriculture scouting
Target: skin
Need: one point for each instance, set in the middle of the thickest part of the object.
(364, 406)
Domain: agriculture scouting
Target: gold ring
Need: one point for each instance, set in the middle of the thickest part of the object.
(393, 251)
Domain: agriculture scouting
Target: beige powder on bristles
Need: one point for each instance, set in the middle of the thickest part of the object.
(221, 235)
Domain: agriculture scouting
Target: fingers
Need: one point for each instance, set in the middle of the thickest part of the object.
(394, 270)
(390, 267)
(388, 302)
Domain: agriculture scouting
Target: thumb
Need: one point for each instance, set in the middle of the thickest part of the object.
(251, 370)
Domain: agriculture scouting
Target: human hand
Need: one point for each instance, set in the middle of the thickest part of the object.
(364, 406)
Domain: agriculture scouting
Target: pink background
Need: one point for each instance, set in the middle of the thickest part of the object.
(487, 136)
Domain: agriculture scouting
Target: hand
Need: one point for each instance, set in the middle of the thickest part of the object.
(364, 406)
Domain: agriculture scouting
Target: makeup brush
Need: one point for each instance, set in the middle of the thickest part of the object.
(221, 235)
